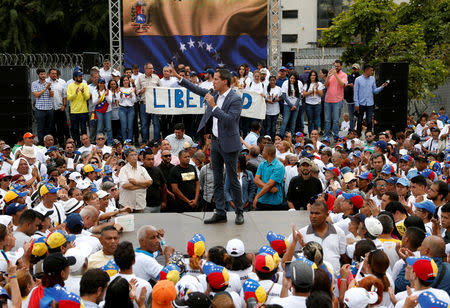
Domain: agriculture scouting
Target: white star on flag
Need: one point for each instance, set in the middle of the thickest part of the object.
(221, 64)
(209, 47)
(216, 56)
(201, 44)
(191, 43)
(182, 47)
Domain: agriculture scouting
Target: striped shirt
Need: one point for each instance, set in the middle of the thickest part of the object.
(43, 102)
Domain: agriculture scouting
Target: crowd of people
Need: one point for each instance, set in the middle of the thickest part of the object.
(377, 203)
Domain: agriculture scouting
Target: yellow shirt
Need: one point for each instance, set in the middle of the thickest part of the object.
(98, 259)
(78, 101)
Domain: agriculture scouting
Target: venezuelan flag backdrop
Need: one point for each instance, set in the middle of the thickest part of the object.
(195, 32)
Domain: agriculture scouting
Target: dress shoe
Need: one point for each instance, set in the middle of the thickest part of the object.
(239, 218)
(216, 218)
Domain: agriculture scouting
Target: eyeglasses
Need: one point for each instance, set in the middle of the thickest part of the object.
(101, 138)
(113, 189)
(168, 155)
(94, 162)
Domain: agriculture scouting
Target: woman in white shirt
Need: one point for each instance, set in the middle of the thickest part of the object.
(313, 91)
(102, 102)
(273, 96)
(126, 108)
(114, 93)
(292, 95)
(257, 86)
(242, 76)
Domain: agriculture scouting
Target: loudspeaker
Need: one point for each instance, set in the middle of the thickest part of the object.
(391, 104)
(91, 59)
(15, 82)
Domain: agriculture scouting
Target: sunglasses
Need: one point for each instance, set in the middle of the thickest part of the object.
(100, 138)
(168, 155)
(94, 162)
(113, 189)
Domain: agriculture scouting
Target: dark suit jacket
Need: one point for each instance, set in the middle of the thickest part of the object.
(228, 117)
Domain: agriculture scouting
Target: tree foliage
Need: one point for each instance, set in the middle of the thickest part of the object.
(376, 31)
(53, 26)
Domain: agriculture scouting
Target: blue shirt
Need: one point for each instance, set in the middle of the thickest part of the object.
(364, 89)
(251, 139)
(43, 102)
(281, 81)
(273, 171)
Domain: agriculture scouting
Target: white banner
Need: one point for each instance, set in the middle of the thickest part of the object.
(182, 101)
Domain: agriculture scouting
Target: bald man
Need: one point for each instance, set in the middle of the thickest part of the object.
(434, 247)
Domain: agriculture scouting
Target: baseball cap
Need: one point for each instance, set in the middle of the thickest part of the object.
(72, 205)
(334, 170)
(429, 300)
(193, 300)
(424, 267)
(209, 71)
(75, 176)
(299, 134)
(307, 67)
(349, 176)
(302, 273)
(305, 160)
(170, 272)
(264, 71)
(366, 176)
(326, 139)
(28, 135)
(81, 252)
(427, 173)
(194, 73)
(107, 169)
(421, 157)
(102, 194)
(28, 151)
(373, 226)
(5, 220)
(298, 145)
(435, 167)
(54, 263)
(91, 168)
(403, 182)
(217, 275)
(359, 297)
(388, 169)
(77, 73)
(13, 194)
(406, 158)
(101, 80)
(356, 199)
(5, 147)
(381, 144)
(83, 184)
(412, 173)
(426, 205)
(196, 245)
(235, 247)
(73, 220)
(58, 238)
(93, 187)
(283, 68)
(392, 180)
(13, 208)
(355, 65)
(51, 149)
(115, 73)
(269, 250)
(39, 246)
(252, 289)
(278, 242)
(264, 263)
(48, 189)
(306, 154)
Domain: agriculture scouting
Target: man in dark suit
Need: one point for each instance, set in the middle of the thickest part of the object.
(221, 120)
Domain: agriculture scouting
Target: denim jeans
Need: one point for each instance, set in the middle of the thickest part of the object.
(44, 119)
(300, 123)
(313, 114)
(78, 122)
(270, 125)
(104, 125)
(126, 116)
(351, 114)
(332, 115)
(368, 110)
(146, 119)
(292, 115)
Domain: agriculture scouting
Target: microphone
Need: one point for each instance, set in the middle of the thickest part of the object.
(211, 91)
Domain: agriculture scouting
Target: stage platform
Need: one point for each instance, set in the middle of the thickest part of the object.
(179, 228)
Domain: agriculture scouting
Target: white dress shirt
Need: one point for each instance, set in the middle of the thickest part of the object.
(219, 103)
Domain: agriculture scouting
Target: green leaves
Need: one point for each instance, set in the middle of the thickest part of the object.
(379, 31)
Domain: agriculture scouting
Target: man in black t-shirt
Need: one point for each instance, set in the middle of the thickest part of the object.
(157, 192)
(303, 187)
(165, 168)
(185, 184)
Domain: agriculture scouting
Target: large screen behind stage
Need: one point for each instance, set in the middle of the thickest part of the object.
(195, 32)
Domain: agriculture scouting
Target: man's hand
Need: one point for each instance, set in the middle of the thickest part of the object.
(345, 271)
(126, 209)
(82, 89)
(168, 250)
(173, 72)
(293, 108)
(297, 237)
(274, 190)
(210, 100)
(132, 181)
(192, 203)
(255, 202)
(384, 85)
(404, 253)
(357, 108)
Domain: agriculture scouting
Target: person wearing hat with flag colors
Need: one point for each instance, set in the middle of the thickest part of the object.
(266, 269)
(49, 202)
(91, 173)
(252, 289)
(217, 279)
(421, 272)
(195, 249)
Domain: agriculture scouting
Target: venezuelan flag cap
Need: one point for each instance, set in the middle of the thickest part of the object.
(424, 267)
(264, 263)
(252, 289)
(273, 253)
(170, 272)
(39, 247)
(278, 242)
(196, 245)
(217, 276)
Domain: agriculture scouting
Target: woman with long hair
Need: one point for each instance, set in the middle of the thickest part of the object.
(241, 76)
(103, 110)
(114, 92)
(273, 98)
(126, 107)
(376, 264)
(120, 293)
(248, 187)
(292, 95)
(313, 92)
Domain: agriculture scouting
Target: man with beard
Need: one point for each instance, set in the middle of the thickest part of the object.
(303, 187)
(437, 193)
